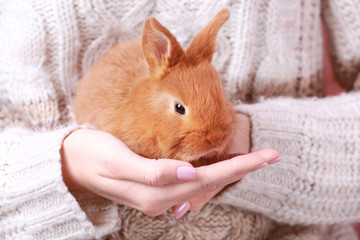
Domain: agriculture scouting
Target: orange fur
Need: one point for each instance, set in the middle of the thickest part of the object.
(132, 90)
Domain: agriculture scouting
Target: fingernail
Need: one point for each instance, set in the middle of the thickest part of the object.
(185, 173)
(274, 161)
(261, 166)
(268, 153)
(181, 210)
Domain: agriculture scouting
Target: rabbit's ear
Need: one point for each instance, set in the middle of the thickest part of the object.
(160, 48)
(203, 45)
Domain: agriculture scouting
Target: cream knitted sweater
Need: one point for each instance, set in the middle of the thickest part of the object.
(270, 58)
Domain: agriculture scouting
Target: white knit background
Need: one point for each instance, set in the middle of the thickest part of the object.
(267, 48)
(257, 41)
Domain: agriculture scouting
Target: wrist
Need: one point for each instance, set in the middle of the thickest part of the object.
(65, 152)
(241, 142)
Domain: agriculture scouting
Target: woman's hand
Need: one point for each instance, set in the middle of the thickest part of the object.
(98, 162)
(240, 145)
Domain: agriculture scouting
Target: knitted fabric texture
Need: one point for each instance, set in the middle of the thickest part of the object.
(269, 55)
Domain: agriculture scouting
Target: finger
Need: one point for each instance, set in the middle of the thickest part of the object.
(203, 198)
(166, 171)
(200, 201)
(216, 176)
(228, 171)
(211, 178)
(180, 209)
(126, 165)
(144, 198)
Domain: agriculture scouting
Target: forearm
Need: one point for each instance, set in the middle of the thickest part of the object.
(318, 179)
(33, 194)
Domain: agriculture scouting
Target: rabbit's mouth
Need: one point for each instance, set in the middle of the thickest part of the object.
(196, 145)
(205, 158)
(210, 157)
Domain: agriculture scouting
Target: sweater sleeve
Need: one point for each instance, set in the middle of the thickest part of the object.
(318, 179)
(342, 21)
(34, 201)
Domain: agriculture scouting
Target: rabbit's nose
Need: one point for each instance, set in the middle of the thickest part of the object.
(214, 137)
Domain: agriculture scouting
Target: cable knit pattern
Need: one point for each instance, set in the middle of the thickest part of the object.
(344, 41)
(269, 55)
(327, 132)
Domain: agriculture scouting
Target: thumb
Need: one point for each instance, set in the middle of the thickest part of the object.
(132, 167)
(202, 199)
(164, 171)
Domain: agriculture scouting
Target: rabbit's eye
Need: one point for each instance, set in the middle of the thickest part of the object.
(179, 109)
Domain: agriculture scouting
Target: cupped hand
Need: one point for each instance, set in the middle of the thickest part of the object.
(240, 145)
(98, 162)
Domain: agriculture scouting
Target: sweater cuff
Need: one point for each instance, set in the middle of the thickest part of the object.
(317, 180)
(259, 191)
(34, 201)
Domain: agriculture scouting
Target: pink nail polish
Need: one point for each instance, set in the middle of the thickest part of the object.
(185, 173)
(181, 210)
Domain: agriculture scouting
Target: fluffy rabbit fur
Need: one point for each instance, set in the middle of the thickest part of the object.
(161, 101)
